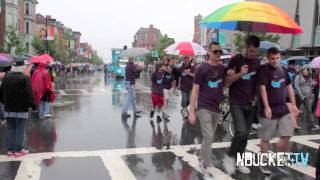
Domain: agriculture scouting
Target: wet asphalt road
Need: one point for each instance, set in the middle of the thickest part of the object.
(87, 117)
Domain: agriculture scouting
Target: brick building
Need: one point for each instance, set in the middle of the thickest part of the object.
(197, 29)
(147, 38)
(20, 15)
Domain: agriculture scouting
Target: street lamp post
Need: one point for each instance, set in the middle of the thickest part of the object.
(46, 34)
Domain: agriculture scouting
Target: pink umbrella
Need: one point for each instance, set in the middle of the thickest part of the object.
(186, 49)
(45, 58)
(315, 63)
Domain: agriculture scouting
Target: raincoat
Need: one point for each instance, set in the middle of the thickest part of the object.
(41, 84)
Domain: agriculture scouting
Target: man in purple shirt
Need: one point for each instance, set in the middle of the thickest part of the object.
(207, 93)
(157, 92)
(131, 72)
(186, 79)
(241, 80)
(168, 83)
(276, 120)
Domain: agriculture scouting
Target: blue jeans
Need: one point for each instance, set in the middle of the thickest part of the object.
(131, 100)
(44, 108)
(185, 101)
(15, 133)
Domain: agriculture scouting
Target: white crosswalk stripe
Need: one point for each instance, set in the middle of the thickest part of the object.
(112, 159)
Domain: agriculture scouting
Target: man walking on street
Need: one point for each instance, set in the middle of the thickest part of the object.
(131, 72)
(168, 82)
(273, 83)
(187, 74)
(207, 93)
(17, 96)
(241, 78)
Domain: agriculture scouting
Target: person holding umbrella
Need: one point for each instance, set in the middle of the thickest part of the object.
(131, 72)
(241, 78)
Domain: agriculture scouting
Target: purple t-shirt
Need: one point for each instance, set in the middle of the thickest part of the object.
(210, 79)
(157, 83)
(168, 79)
(186, 81)
(131, 69)
(243, 91)
(276, 81)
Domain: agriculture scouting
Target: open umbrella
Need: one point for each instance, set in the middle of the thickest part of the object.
(266, 45)
(45, 58)
(250, 16)
(5, 60)
(297, 58)
(315, 63)
(185, 49)
(134, 52)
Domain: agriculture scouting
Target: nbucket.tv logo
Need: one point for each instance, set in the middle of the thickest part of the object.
(273, 159)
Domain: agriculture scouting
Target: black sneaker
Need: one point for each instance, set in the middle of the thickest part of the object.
(159, 120)
(151, 114)
(137, 112)
(125, 115)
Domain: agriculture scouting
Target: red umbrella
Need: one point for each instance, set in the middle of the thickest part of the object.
(45, 58)
(186, 49)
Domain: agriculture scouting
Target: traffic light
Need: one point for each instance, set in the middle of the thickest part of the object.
(125, 47)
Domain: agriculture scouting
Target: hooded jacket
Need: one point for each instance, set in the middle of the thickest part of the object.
(16, 93)
(303, 85)
(41, 84)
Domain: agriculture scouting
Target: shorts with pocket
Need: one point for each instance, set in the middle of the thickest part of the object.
(280, 127)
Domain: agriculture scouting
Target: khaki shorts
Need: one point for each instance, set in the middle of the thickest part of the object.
(168, 93)
(282, 127)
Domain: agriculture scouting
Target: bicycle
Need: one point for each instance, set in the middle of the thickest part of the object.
(226, 117)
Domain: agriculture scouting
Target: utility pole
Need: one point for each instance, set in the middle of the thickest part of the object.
(46, 34)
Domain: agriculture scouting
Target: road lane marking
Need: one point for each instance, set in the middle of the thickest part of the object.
(30, 164)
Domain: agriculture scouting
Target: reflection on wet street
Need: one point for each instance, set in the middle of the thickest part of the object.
(87, 124)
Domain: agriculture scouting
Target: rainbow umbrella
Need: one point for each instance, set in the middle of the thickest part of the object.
(251, 16)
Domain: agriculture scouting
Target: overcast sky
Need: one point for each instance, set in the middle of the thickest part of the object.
(107, 24)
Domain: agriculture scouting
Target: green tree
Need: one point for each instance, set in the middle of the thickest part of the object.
(239, 40)
(148, 59)
(14, 41)
(164, 42)
(95, 59)
(38, 45)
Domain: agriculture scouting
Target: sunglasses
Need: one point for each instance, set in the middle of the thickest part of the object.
(217, 51)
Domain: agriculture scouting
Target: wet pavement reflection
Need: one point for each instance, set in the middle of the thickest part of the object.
(87, 117)
(74, 168)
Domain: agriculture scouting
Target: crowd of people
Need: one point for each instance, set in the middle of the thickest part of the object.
(266, 93)
(25, 89)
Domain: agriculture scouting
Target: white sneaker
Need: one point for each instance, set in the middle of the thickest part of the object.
(229, 165)
(315, 128)
(165, 115)
(255, 126)
(265, 170)
(47, 115)
(243, 169)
